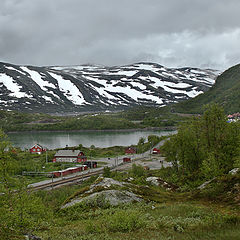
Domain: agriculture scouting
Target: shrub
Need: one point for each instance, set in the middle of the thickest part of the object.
(137, 170)
(106, 172)
(125, 221)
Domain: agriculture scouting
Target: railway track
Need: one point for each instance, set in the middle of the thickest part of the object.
(70, 180)
(65, 181)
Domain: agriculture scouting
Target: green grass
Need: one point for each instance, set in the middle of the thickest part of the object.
(147, 221)
(163, 215)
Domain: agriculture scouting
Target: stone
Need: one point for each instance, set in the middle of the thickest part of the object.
(153, 180)
(205, 184)
(234, 171)
(111, 197)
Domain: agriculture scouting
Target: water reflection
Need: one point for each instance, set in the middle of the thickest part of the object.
(54, 140)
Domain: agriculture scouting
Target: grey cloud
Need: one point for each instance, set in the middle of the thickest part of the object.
(111, 32)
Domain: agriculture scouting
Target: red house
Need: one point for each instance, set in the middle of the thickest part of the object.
(130, 150)
(37, 148)
(69, 156)
(126, 159)
(156, 151)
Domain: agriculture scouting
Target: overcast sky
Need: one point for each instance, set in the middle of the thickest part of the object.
(173, 33)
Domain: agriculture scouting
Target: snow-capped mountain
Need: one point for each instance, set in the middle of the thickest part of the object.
(91, 87)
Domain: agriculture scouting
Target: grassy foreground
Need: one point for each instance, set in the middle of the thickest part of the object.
(163, 215)
(147, 221)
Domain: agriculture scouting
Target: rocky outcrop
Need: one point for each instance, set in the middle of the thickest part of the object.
(160, 182)
(106, 197)
(104, 192)
(234, 171)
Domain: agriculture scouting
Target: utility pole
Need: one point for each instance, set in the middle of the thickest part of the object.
(91, 160)
(46, 157)
(52, 180)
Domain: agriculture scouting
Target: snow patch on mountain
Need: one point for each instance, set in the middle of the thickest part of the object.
(35, 76)
(70, 91)
(12, 86)
(96, 87)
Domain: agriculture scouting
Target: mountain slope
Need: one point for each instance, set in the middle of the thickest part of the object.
(91, 87)
(225, 91)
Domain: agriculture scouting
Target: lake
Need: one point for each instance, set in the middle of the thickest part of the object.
(101, 139)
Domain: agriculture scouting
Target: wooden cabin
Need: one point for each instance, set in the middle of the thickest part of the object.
(69, 156)
(37, 148)
(130, 150)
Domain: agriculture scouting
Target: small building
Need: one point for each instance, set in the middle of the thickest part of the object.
(126, 159)
(130, 150)
(233, 117)
(37, 148)
(91, 164)
(156, 151)
(69, 156)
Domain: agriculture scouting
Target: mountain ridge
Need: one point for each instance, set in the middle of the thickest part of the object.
(225, 92)
(87, 87)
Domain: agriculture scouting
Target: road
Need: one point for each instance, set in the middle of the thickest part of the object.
(144, 159)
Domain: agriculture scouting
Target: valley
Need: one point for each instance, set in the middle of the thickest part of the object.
(189, 189)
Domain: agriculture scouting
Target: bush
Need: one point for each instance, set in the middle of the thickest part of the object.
(125, 221)
(106, 172)
(137, 171)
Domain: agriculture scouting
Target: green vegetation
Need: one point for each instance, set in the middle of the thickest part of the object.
(205, 148)
(144, 145)
(171, 215)
(138, 118)
(96, 152)
(225, 92)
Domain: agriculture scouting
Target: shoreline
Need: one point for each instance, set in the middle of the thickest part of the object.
(168, 128)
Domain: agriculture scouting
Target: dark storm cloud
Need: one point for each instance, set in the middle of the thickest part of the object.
(203, 33)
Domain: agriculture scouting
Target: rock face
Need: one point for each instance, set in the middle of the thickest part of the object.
(160, 182)
(98, 88)
(108, 197)
(102, 193)
(234, 171)
(153, 180)
(202, 186)
(105, 183)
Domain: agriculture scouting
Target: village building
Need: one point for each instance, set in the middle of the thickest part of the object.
(130, 150)
(69, 156)
(37, 148)
(234, 117)
(126, 159)
(156, 151)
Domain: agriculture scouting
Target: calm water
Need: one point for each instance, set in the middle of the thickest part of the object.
(53, 140)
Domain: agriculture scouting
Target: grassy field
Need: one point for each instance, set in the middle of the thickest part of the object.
(163, 215)
(172, 220)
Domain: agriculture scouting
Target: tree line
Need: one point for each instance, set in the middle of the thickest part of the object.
(205, 146)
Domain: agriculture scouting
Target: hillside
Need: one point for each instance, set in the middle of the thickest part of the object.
(225, 92)
(98, 88)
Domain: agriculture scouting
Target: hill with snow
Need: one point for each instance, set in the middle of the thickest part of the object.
(59, 89)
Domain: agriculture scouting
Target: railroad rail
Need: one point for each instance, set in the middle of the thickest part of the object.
(68, 180)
